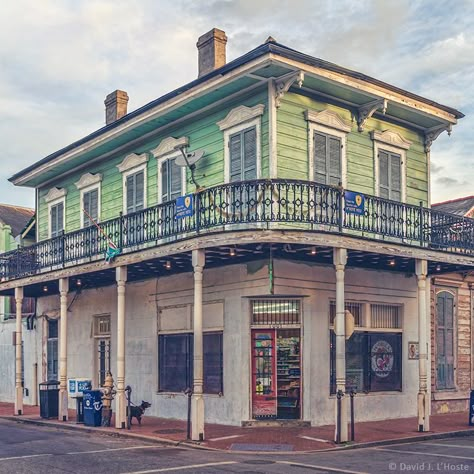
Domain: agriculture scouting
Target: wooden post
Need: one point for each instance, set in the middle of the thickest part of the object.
(421, 269)
(63, 405)
(197, 406)
(340, 260)
(120, 401)
(18, 353)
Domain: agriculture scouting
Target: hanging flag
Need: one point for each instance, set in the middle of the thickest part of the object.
(112, 249)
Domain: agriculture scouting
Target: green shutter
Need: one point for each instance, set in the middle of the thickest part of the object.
(320, 167)
(327, 159)
(390, 176)
(164, 181)
(139, 190)
(130, 184)
(175, 179)
(334, 158)
(250, 154)
(384, 179)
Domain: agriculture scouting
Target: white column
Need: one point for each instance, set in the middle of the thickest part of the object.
(421, 269)
(63, 291)
(120, 399)
(340, 260)
(18, 353)
(197, 402)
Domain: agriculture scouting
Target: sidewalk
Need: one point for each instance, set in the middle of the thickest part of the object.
(275, 438)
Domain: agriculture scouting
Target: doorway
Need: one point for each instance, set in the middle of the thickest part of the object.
(276, 374)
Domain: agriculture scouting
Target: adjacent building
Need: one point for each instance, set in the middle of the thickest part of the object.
(220, 237)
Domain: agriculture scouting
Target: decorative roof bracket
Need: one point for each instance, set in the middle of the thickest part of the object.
(431, 134)
(365, 111)
(285, 82)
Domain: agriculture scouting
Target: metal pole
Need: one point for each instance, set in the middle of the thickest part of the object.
(128, 391)
(352, 394)
(188, 392)
(339, 396)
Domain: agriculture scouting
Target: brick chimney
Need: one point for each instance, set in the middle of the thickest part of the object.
(211, 48)
(115, 106)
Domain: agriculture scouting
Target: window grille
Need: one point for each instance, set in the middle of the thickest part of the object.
(102, 325)
(354, 308)
(385, 316)
(275, 312)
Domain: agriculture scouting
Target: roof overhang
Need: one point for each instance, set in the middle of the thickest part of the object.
(267, 62)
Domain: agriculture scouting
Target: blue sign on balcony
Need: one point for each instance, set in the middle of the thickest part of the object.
(355, 203)
(184, 206)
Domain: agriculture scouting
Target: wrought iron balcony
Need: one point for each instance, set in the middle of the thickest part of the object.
(260, 204)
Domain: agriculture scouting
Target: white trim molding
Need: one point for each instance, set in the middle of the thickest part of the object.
(330, 123)
(55, 194)
(88, 179)
(133, 161)
(328, 118)
(240, 115)
(392, 142)
(169, 145)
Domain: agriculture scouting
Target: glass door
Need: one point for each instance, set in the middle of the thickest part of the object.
(264, 400)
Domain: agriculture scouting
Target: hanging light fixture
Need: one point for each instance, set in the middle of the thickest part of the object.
(168, 265)
(232, 252)
(79, 282)
(438, 267)
(313, 251)
(45, 288)
(392, 262)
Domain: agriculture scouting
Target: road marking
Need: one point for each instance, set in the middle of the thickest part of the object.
(324, 468)
(115, 449)
(424, 453)
(315, 439)
(225, 437)
(450, 445)
(24, 457)
(191, 466)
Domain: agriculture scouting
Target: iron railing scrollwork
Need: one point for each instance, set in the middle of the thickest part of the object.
(258, 204)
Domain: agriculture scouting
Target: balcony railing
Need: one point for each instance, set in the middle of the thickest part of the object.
(260, 204)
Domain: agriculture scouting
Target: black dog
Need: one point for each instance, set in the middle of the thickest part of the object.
(138, 411)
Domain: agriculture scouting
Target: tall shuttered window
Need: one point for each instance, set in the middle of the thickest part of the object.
(390, 175)
(135, 191)
(57, 219)
(171, 184)
(445, 341)
(327, 159)
(52, 350)
(243, 155)
(90, 202)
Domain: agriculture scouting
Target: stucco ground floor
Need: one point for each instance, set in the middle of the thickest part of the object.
(268, 342)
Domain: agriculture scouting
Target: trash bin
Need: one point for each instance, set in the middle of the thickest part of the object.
(49, 399)
(471, 409)
(92, 403)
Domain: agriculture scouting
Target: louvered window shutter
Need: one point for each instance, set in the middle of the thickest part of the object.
(164, 181)
(384, 179)
(175, 179)
(94, 204)
(130, 183)
(334, 161)
(320, 166)
(87, 208)
(235, 155)
(139, 190)
(54, 221)
(449, 339)
(395, 177)
(250, 154)
(445, 341)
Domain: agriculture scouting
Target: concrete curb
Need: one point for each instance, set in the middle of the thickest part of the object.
(189, 444)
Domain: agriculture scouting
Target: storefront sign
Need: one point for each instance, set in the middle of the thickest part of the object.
(355, 203)
(184, 206)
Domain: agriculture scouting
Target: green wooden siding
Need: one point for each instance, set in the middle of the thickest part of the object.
(203, 133)
(292, 148)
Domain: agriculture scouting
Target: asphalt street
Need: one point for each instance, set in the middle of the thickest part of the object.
(26, 448)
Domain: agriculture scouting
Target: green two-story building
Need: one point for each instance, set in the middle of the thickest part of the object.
(262, 236)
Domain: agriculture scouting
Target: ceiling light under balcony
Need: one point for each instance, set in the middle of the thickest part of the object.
(392, 262)
(313, 251)
(45, 288)
(168, 265)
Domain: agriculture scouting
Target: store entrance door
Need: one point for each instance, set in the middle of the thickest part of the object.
(276, 374)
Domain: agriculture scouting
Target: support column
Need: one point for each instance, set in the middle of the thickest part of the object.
(63, 291)
(421, 269)
(18, 353)
(340, 260)
(197, 402)
(120, 399)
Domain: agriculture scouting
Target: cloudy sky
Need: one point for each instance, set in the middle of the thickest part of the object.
(60, 58)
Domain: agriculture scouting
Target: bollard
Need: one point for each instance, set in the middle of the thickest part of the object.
(339, 396)
(188, 392)
(352, 394)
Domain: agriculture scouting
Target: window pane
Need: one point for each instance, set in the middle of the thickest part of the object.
(52, 329)
(174, 362)
(213, 366)
(356, 362)
(385, 361)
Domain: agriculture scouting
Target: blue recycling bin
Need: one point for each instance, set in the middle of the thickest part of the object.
(92, 407)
